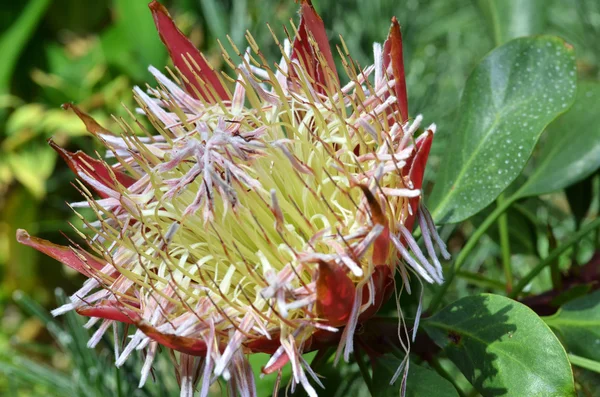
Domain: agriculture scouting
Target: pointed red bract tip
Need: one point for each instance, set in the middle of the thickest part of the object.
(78, 260)
(335, 294)
(80, 162)
(277, 365)
(312, 24)
(392, 52)
(418, 162)
(196, 70)
(91, 125)
(183, 344)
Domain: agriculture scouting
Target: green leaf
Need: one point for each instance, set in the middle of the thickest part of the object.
(502, 347)
(215, 17)
(571, 151)
(20, 266)
(510, 97)
(13, 40)
(509, 19)
(578, 325)
(135, 39)
(420, 381)
(32, 165)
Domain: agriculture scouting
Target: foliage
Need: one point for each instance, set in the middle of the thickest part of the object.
(513, 178)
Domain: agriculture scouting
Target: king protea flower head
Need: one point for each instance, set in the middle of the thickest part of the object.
(268, 219)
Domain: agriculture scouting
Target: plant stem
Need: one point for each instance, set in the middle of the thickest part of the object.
(364, 371)
(553, 256)
(469, 246)
(554, 268)
(118, 381)
(481, 281)
(585, 363)
(505, 246)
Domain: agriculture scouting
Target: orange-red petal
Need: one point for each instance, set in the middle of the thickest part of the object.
(381, 246)
(383, 283)
(335, 294)
(196, 70)
(78, 260)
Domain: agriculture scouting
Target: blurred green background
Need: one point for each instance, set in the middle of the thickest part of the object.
(92, 53)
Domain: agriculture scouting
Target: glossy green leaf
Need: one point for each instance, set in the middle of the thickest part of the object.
(571, 151)
(509, 19)
(502, 347)
(510, 97)
(578, 325)
(420, 381)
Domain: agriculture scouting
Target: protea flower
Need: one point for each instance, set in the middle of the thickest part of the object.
(268, 219)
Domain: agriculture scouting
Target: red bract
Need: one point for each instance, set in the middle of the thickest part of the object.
(271, 220)
(200, 79)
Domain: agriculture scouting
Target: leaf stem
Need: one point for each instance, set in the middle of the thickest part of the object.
(552, 256)
(584, 363)
(364, 371)
(505, 246)
(469, 246)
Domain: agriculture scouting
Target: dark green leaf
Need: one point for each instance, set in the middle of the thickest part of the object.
(420, 381)
(588, 382)
(579, 196)
(509, 19)
(578, 325)
(508, 100)
(571, 151)
(502, 347)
